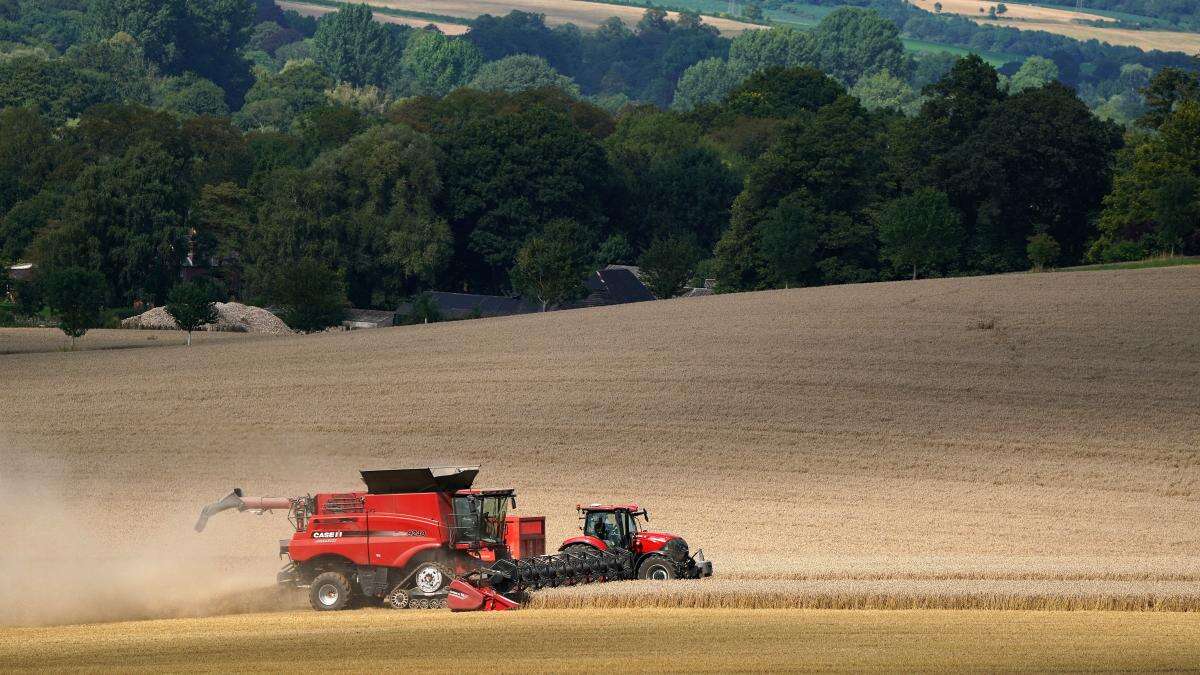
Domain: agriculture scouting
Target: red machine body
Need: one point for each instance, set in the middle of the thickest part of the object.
(389, 530)
(658, 555)
(425, 538)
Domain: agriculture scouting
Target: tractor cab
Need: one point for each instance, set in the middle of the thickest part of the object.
(615, 525)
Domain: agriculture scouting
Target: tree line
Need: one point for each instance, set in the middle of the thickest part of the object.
(800, 161)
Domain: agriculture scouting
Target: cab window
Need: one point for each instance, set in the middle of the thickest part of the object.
(605, 526)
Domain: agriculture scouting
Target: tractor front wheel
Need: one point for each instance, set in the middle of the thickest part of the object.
(657, 568)
(330, 591)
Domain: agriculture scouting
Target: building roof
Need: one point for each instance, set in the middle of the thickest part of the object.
(370, 316)
(637, 271)
(21, 271)
(623, 286)
(464, 304)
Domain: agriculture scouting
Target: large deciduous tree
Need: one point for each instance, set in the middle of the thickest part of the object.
(520, 72)
(508, 174)
(433, 64)
(191, 307)
(551, 266)
(352, 47)
(667, 265)
(921, 230)
(77, 296)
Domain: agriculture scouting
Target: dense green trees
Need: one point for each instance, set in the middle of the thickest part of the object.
(200, 36)
(520, 72)
(920, 230)
(350, 46)
(310, 293)
(667, 265)
(510, 173)
(812, 190)
(398, 160)
(1155, 202)
(551, 266)
(76, 296)
(1035, 72)
(433, 64)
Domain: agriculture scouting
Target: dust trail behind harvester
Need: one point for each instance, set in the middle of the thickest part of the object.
(65, 563)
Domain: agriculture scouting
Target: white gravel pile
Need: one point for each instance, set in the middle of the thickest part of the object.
(233, 317)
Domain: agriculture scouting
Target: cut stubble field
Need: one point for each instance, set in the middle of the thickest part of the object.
(1009, 442)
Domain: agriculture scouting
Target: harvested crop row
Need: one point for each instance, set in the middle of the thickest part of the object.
(889, 594)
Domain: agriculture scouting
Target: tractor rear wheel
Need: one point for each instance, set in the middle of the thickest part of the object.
(330, 591)
(657, 568)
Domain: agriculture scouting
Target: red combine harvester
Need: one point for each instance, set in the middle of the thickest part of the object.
(424, 538)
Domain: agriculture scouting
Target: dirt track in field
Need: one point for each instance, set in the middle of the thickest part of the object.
(1033, 429)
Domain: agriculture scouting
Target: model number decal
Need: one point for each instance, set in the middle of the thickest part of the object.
(338, 534)
(398, 533)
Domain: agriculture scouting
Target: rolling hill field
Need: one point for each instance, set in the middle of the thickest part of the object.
(583, 13)
(1077, 24)
(1007, 442)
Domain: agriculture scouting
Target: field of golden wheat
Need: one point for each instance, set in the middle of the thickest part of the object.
(643, 640)
(1011, 442)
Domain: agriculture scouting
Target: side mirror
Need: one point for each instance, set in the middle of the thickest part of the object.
(514, 501)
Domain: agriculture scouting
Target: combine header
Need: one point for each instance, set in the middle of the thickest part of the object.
(423, 538)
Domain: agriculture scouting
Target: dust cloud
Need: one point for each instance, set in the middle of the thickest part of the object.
(70, 558)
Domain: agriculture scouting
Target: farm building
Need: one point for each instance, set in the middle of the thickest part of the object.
(20, 271)
(470, 305)
(356, 319)
(614, 285)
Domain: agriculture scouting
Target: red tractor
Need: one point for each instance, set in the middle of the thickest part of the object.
(657, 555)
(424, 538)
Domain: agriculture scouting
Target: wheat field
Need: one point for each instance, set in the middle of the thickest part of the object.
(1019, 441)
(645, 640)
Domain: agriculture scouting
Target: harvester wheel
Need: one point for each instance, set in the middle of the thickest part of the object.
(657, 568)
(398, 598)
(431, 578)
(329, 591)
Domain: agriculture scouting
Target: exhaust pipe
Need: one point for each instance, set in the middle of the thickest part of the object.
(235, 500)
